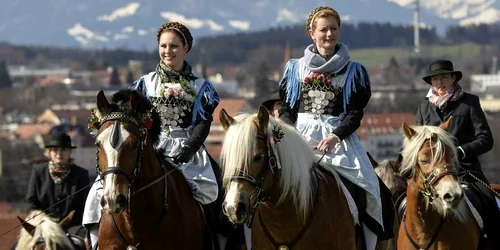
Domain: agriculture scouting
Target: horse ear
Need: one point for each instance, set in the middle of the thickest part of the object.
(66, 222)
(102, 102)
(445, 125)
(225, 119)
(263, 118)
(134, 96)
(397, 163)
(27, 226)
(409, 132)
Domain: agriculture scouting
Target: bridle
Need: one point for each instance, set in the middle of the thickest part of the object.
(117, 117)
(257, 180)
(428, 181)
(430, 178)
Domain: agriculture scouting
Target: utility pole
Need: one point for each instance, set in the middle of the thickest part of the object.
(416, 27)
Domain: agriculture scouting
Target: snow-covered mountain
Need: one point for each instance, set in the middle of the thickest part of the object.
(133, 24)
(464, 11)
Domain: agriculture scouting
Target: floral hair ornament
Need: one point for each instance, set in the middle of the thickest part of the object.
(95, 119)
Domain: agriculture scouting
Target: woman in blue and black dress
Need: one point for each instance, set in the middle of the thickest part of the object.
(324, 94)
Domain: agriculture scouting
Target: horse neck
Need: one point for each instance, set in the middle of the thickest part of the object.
(284, 209)
(148, 201)
(419, 215)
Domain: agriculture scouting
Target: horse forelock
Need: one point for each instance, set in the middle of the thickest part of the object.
(295, 156)
(51, 232)
(438, 147)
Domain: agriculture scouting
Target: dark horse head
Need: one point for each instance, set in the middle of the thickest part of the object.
(122, 135)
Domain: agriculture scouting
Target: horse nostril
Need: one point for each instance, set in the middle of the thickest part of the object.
(448, 197)
(241, 208)
(121, 200)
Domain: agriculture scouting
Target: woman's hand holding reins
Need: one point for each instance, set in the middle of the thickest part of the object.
(327, 143)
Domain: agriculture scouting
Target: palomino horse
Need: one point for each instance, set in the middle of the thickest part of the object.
(40, 232)
(437, 214)
(273, 184)
(144, 204)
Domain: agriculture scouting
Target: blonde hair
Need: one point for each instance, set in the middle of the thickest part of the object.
(322, 11)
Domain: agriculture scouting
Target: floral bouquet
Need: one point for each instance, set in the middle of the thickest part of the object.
(318, 78)
(176, 91)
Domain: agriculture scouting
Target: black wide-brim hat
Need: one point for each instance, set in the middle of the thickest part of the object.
(441, 67)
(274, 97)
(59, 141)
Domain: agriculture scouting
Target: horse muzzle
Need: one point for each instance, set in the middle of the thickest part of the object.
(237, 213)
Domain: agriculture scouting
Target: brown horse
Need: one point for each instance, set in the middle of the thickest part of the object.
(145, 205)
(40, 232)
(437, 215)
(388, 172)
(274, 185)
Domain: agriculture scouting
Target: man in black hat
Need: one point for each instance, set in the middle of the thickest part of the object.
(273, 104)
(469, 126)
(59, 180)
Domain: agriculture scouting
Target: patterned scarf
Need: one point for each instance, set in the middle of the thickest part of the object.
(169, 75)
(452, 94)
(59, 172)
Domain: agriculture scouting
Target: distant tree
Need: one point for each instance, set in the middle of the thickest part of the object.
(5, 80)
(130, 77)
(115, 78)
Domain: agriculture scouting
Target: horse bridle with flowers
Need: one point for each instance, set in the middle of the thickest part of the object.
(117, 117)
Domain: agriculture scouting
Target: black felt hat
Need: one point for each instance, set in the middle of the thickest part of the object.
(440, 67)
(270, 102)
(60, 140)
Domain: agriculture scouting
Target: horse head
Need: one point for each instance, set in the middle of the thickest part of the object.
(264, 160)
(122, 139)
(42, 233)
(429, 162)
(389, 172)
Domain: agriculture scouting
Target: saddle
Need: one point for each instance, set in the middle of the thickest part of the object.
(77, 241)
(359, 197)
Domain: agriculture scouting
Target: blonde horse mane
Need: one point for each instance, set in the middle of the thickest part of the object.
(411, 148)
(52, 233)
(296, 157)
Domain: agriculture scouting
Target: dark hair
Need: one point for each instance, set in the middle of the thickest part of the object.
(325, 12)
(179, 29)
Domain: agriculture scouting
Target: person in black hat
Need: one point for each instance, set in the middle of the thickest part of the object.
(273, 104)
(59, 180)
(469, 126)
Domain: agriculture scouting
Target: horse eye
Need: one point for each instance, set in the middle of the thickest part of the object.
(257, 158)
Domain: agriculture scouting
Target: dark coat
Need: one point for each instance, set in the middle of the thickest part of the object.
(468, 125)
(43, 192)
